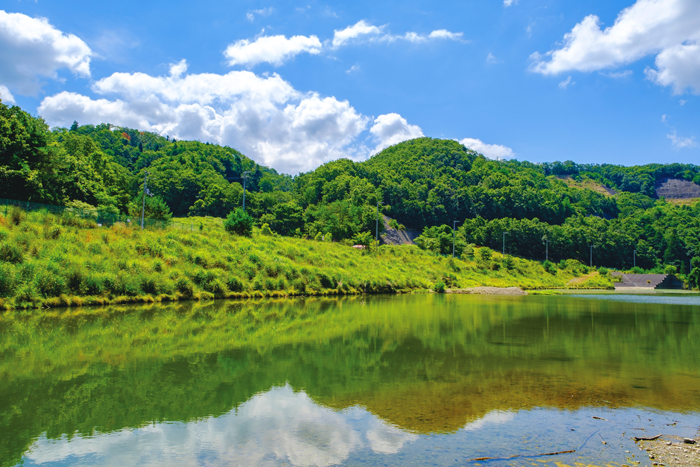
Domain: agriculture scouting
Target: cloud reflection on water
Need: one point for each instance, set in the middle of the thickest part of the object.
(277, 426)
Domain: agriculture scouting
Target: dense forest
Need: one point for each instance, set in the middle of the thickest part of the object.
(424, 183)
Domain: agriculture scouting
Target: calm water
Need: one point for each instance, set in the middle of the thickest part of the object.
(387, 380)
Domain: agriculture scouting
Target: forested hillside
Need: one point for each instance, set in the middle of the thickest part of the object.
(421, 183)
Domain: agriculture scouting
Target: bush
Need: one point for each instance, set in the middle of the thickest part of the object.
(603, 271)
(508, 262)
(184, 287)
(234, 284)
(670, 269)
(17, 216)
(7, 280)
(50, 284)
(265, 230)
(239, 222)
(637, 270)
(10, 253)
(439, 287)
(485, 254)
(550, 267)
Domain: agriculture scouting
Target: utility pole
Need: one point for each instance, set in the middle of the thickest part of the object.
(634, 260)
(377, 232)
(546, 254)
(244, 180)
(454, 236)
(591, 255)
(145, 190)
(504, 242)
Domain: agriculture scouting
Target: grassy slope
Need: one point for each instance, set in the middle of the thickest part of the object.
(51, 261)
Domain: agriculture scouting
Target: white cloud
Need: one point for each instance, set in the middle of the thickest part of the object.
(496, 417)
(250, 16)
(566, 83)
(669, 28)
(31, 47)
(6, 95)
(492, 151)
(682, 102)
(357, 30)
(353, 68)
(363, 31)
(272, 49)
(678, 67)
(507, 3)
(492, 60)
(261, 12)
(392, 129)
(264, 117)
(664, 118)
(619, 74)
(679, 142)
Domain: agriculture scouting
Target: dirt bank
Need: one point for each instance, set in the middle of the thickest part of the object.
(489, 291)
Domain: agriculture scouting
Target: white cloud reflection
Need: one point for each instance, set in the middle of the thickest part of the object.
(273, 427)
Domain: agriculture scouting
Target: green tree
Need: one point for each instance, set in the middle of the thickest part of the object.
(239, 222)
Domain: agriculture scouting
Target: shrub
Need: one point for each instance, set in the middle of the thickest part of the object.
(265, 230)
(7, 280)
(669, 269)
(234, 284)
(50, 284)
(93, 285)
(17, 215)
(439, 287)
(485, 254)
(184, 287)
(603, 271)
(149, 285)
(216, 287)
(508, 262)
(637, 270)
(549, 267)
(11, 253)
(75, 281)
(239, 222)
(394, 224)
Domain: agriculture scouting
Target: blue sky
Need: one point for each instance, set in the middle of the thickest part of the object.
(296, 84)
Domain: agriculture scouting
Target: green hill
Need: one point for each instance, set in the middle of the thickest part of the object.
(424, 183)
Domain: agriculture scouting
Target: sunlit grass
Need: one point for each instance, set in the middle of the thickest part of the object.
(50, 261)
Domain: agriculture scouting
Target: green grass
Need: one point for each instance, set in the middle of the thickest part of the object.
(51, 261)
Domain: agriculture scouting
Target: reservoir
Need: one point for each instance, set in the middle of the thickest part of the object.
(380, 380)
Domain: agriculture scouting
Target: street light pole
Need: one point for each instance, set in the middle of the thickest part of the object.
(143, 207)
(454, 236)
(591, 255)
(634, 261)
(504, 242)
(377, 232)
(244, 180)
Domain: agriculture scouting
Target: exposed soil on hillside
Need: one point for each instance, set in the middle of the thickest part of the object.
(397, 237)
(589, 184)
(675, 188)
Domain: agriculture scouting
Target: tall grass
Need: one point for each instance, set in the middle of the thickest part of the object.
(49, 261)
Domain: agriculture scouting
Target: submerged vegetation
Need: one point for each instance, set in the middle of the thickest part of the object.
(48, 261)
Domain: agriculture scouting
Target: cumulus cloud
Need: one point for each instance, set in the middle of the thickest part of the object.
(31, 48)
(492, 151)
(264, 117)
(669, 28)
(678, 67)
(271, 49)
(360, 29)
(6, 95)
(363, 31)
(507, 3)
(392, 129)
(680, 142)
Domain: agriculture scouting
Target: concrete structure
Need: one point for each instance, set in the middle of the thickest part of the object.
(647, 281)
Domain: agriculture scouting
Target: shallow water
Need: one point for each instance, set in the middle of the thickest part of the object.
(385, 380)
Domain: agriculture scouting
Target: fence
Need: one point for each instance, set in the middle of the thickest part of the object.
(101, 218)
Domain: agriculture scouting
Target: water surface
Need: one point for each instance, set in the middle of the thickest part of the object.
(384, 380)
